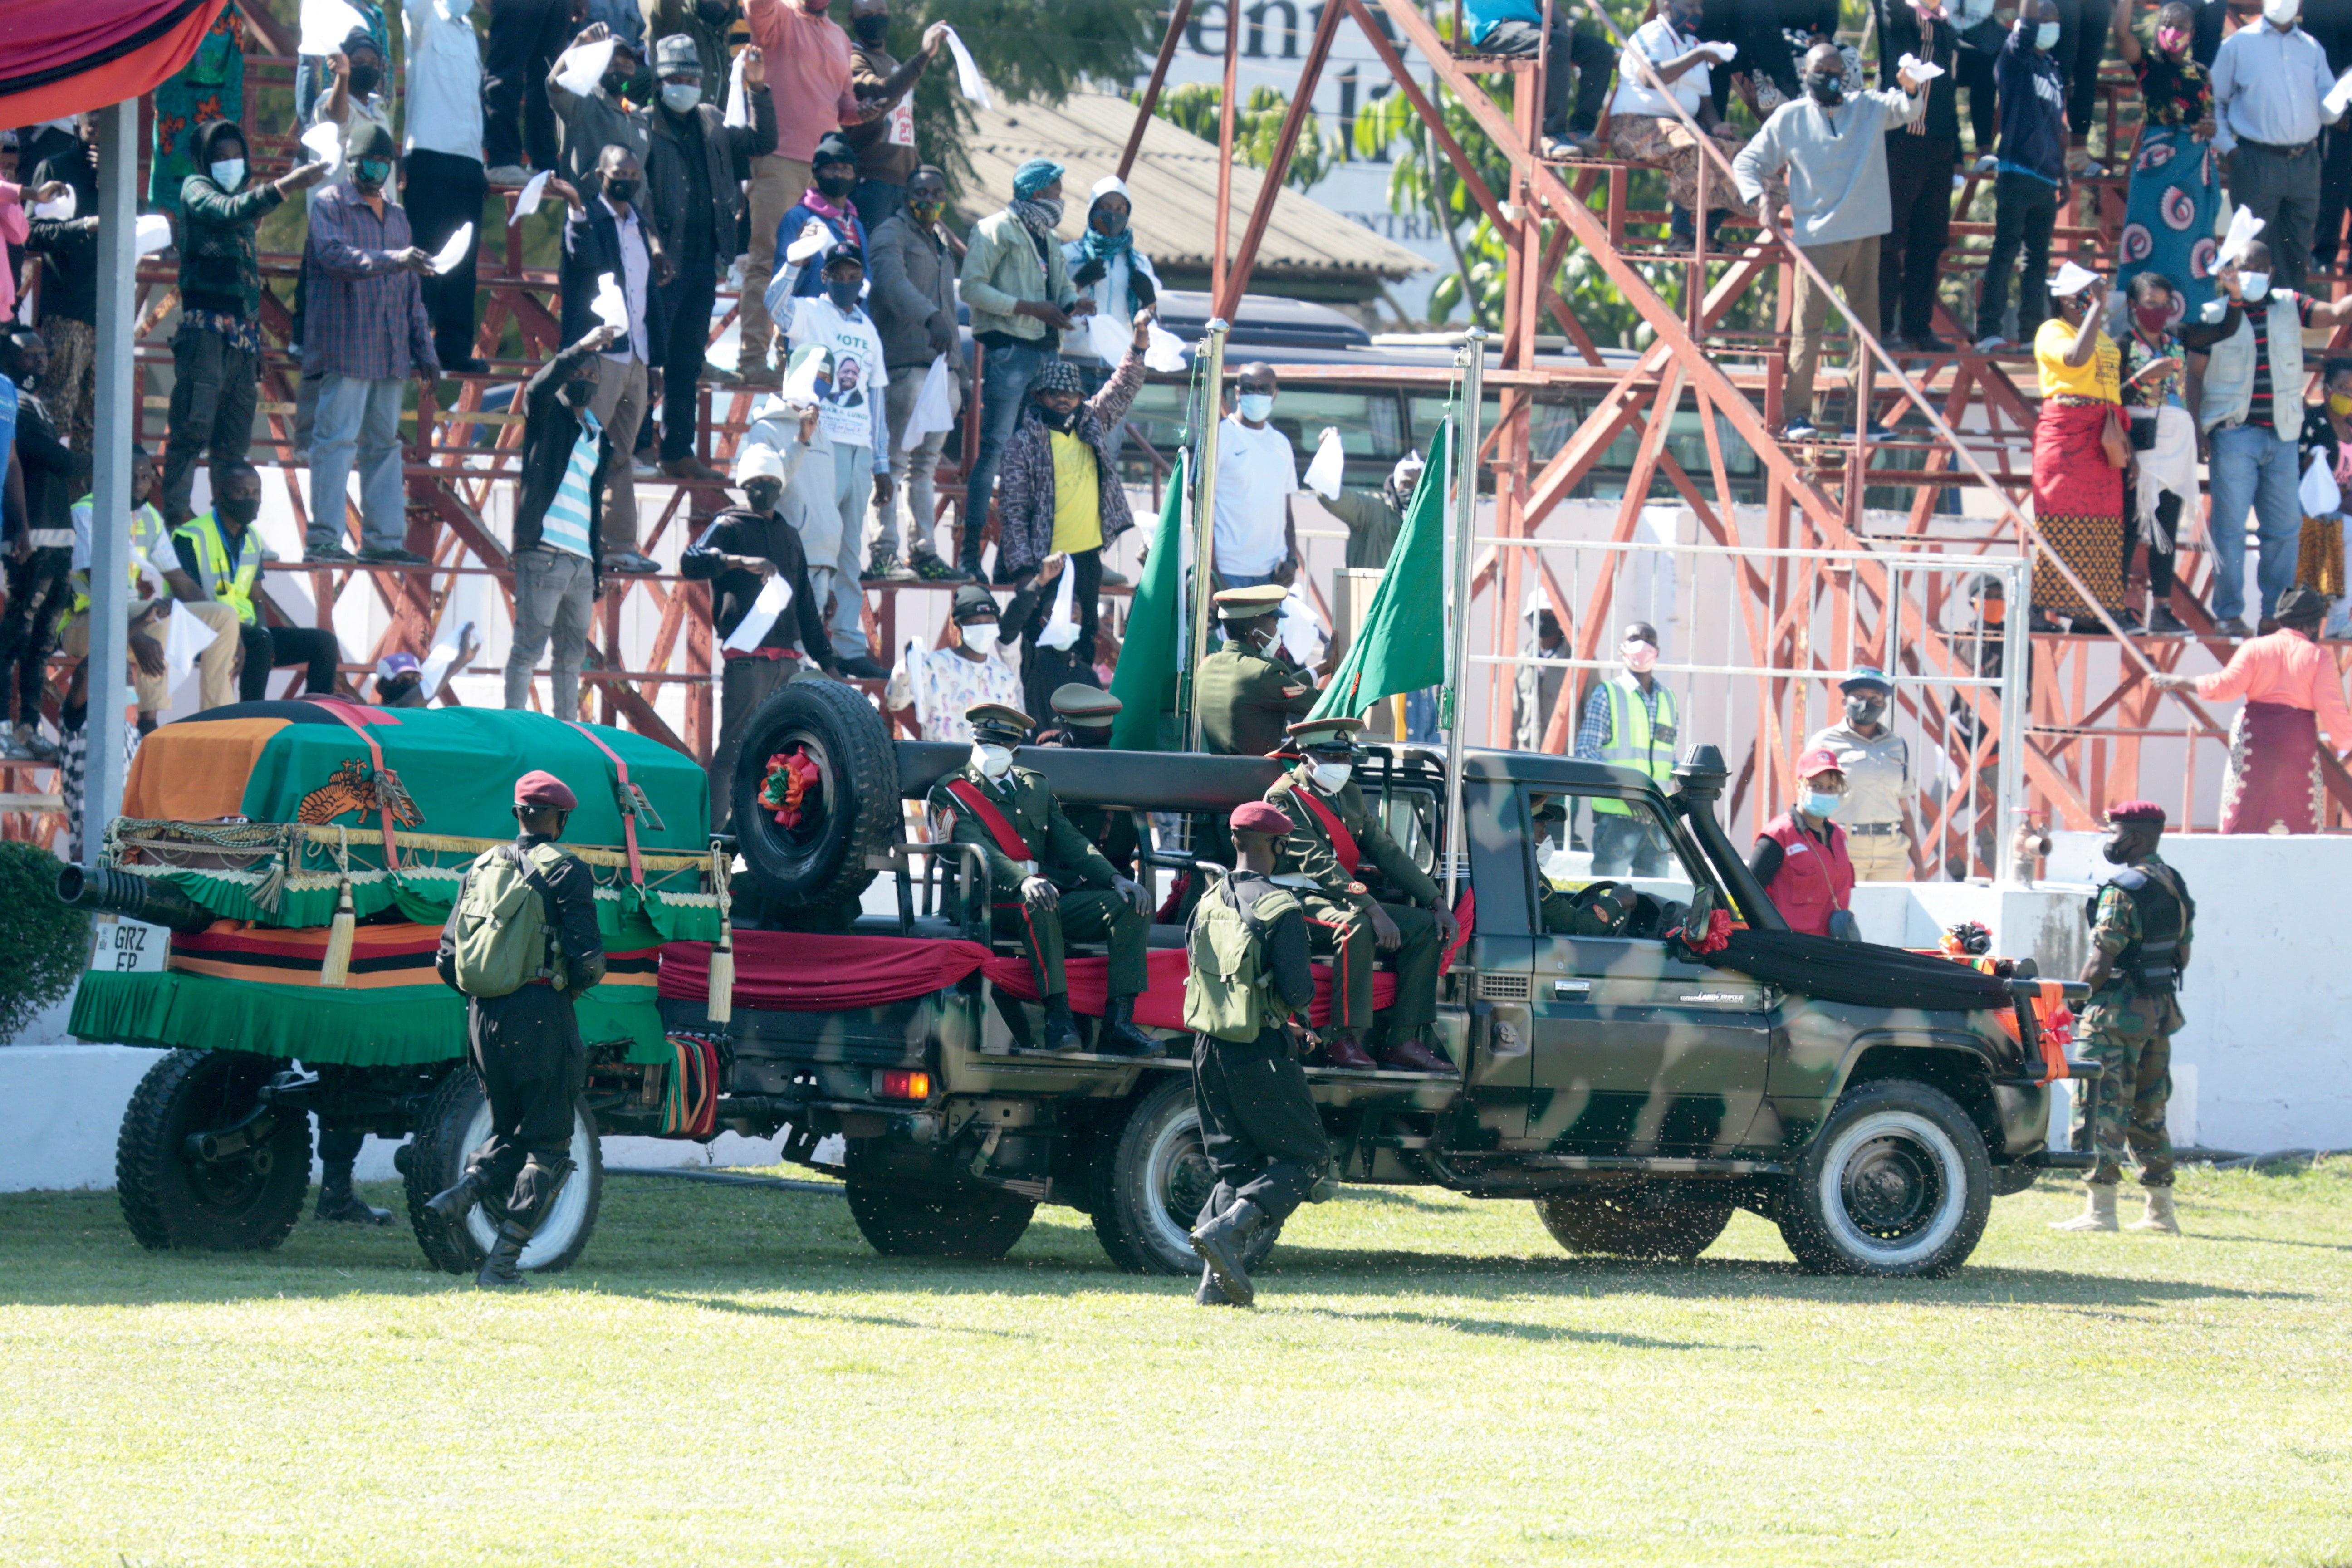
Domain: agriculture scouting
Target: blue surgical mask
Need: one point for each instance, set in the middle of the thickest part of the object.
(677, 97)
(1256, 406)
(2045, 37)
(2254, 286)
(1816, 804)
(228, 173)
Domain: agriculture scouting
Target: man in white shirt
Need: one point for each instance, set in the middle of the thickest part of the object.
(939, 687)
(2270, 83)
(830, 489)
(1644, 127)
(1257, 473)
(446, 182)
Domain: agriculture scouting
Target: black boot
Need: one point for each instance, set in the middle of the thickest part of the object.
(339, 1204)
(1117, 1035)
(1209, 1294)
(1220, 1243)
(503, 1267)
(451, 1203)
(1061, 1029)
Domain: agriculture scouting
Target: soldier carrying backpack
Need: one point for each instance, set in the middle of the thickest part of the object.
(1249, 972)
(521, 945)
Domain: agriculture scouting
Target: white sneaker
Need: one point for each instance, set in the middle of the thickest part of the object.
(1987, 164)
(1993, 344)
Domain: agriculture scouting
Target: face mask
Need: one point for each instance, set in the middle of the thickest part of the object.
(2152, 318)
(1864, 709)
(677, 97)
(364, 78)
(2255, 286)
(1255, 406)
(994, 760)
(623, 191)
(712, 12)
(2171, 40)
(981, 636)
(763, 495)
(926, 211)
(1993, 612)
(579, 394)
(1049, 208)
(833, 187)
(2281, 14)
(1639, 656)
(872, 29)
(1826, 87)
(2339, 403)
(1684, 19)
(2045, 35)
(1332, 777)
(239, 510)
(1816, 804)
(228, 173)
(2115, 852)
(372, 173)
(399, 690)
(844, 292)
(1109, 220)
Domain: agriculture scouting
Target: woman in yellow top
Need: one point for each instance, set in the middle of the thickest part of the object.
(2078, 494)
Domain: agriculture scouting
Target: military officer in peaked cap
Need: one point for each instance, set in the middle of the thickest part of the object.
(1047, 882)
(1087, 713)
(1332, 835)
(1249, 690)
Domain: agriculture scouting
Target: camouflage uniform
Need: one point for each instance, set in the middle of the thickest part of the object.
(2127, 1027)
(1339, 915)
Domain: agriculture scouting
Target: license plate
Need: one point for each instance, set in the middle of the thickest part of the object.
(129, 947)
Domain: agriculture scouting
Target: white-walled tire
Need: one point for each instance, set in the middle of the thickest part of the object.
(1896, 1186)
(1154, 1180)
(455, 1122)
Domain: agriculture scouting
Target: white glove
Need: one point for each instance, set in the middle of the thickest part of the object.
(1724, 52)
(1132, 891)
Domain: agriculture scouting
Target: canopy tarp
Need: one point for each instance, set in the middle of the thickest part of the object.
(59, 59)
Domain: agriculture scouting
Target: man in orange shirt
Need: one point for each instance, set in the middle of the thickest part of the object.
(808, 76)
(2292, 691)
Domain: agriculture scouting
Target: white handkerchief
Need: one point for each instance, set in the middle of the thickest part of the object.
(738, 100)
(435, 669)
(1330, 461)
(1061, 626)
(527, 199)
(2338, 97)
(184, 637)
(2318, 492)
(1163, 350)
(153, 233)
(934, 407)
(2244, 229)
(2073, 280)
(967, 73)
(61, 209)
(325, 142)
(1921, 72)
(814, 237)
(325, 24)
(1108, 337)
(589, 62)
(610, 308)
(802, 371)
(455, 251)
(776, 596)
(1724, 52)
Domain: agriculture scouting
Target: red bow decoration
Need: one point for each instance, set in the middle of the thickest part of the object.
(1718, 937)
(791, 779)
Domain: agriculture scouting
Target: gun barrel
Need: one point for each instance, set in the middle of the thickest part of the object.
(139, 897)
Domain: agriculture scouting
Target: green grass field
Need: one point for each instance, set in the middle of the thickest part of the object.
(731, 1377)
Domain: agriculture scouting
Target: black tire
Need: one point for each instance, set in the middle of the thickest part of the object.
(822, 861)
(1653, 1220)
(454, 1123)
(1152, 1182)
(172, 1199)
(1896, 1186)
(902, 1216)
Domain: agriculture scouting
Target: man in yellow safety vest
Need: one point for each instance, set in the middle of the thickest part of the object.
(219, 559)
(1630, 721)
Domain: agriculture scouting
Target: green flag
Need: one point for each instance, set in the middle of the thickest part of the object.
(1401, 643)
(1145, 680)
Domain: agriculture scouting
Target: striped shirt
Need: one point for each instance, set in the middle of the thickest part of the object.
(566, 524)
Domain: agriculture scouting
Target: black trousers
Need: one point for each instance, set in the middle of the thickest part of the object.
(276, 648)
(1045, 670)
(213, 395)
(525, 37)
(526, 1049)
(2081, 39)
(2334, 193)
(1972, 74)
(685, 302)
(38, 593)
(1593, 62)
(2024, 211)
(443, 193)
(1258, 1124)
(1910, 258)
(1756, 30)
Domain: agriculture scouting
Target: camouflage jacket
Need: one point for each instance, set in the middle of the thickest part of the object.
(2118, 1003)
(1307, 850)
(1063, 854)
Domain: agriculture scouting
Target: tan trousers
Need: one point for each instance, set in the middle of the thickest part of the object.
(776, 184)
(1852, 267)
(620, 407)
(216, 666)
(1879, 856)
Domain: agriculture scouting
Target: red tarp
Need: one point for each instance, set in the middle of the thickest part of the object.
(60, 59)
(784, 972)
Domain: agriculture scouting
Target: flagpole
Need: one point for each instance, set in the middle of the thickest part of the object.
(1471, 360)
(1204, 525)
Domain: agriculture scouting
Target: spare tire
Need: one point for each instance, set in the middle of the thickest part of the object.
(849, 813)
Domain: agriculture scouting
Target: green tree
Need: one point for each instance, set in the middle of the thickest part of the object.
(44, 942)
(1257, 125)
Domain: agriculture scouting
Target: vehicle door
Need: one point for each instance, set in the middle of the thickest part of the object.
(1636, 1052)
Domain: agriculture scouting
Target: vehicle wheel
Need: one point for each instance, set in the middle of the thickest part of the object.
(1896, 1186)
(978, 1224)
(170, 1196)
(455, 1122)
(1653, 1220)
(1155, 1181)
(851, 811)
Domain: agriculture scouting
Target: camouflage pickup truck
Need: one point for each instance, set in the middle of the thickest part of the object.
(1636, 1094)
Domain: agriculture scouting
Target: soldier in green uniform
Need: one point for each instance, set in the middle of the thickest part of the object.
(1249, 690)
(1332, 833)
(1087, 713)
(1047, 882)
(2140, 931)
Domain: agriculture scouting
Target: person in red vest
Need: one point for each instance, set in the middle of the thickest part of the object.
(1046, 880)
(1801, 858)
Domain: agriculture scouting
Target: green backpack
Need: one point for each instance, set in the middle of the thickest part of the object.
(504, 940)
(1228, 986)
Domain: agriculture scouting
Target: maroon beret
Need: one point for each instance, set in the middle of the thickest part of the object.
(1257, 816)
(539, 787)
(2136, 811)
